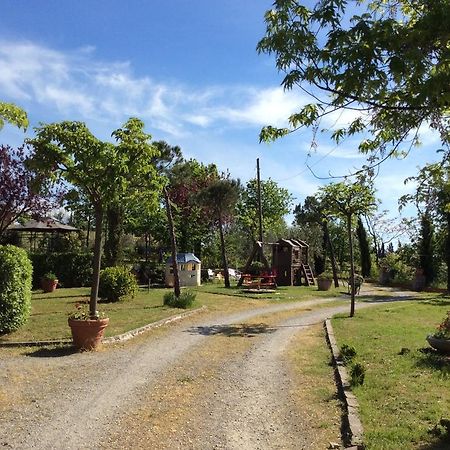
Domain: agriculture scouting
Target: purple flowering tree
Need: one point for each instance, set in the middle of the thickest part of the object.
(22, 192)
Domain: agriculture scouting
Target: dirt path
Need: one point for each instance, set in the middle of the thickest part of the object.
(202, 383)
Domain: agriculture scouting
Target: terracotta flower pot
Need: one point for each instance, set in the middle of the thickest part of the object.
(87, 334)
(323, 284)
(442, 345)
(48, 285)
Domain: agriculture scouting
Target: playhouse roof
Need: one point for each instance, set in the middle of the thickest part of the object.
(183, 258)
(293, 242)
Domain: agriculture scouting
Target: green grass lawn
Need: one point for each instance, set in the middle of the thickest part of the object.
(49, 312)
(405, 393)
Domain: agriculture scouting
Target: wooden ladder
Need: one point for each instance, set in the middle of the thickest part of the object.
(307, 272)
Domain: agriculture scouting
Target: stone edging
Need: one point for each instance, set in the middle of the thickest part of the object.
(353, 427)
(112, 339)
(133, 333)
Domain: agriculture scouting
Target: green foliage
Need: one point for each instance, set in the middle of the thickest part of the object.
(364, 251)
(117, 284)
(184, 301)
(325, 276)
(275, 204)
(443, 330)
(74, 268)
(103, 172)
(357, 374)
(347, 199)
(385, 60)
(426, 250)
(13, 114)
(398, 270)
(51, 276)
(15, 288)
(347, 353)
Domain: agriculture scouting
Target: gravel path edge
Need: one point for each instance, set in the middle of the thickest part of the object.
(352, 426)
(112, 339)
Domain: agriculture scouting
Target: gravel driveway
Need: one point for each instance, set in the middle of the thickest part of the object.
(130, 395)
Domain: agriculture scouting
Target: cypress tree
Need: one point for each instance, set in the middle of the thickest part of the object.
(426, 256)
(364, 250)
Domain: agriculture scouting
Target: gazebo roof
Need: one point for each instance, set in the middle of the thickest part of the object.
(184, 258)
(43, 226)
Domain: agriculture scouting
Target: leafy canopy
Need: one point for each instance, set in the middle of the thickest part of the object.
(13, 114)
(386, 61)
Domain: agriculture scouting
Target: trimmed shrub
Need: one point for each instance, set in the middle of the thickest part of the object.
(117, 284)
(184, 301)
(15, 288)
(347, 353)
(74, 269)
(357, 374)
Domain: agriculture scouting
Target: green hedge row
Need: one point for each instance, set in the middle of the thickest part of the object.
(15, 288)
(73, 269)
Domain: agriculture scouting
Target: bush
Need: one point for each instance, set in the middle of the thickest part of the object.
(74, 269)
(357, 374)
(347, 353)
(117, 284)
(15, 288)
(184, 301)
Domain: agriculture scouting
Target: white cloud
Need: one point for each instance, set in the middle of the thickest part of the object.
(77, 84)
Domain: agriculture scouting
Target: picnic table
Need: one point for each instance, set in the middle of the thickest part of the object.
(259, 281)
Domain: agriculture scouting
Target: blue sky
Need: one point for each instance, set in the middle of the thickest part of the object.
(189, 70)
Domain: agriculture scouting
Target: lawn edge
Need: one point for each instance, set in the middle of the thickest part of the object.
(112, 339)
(352, 425)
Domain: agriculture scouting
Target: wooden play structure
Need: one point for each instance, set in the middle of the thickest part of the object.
(289, 266)
(290, 262)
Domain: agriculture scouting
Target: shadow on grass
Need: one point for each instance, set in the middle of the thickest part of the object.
(442, 301)
(47, 297)
(52, 352)
(241, 330)
(386, 299)
(432, 359)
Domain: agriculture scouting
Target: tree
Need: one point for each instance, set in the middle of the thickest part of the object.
(103, 172)
(432, 197)
(22, 192)
(275, 204)
(348, 200)
(426, 253)
(13, 114)
(168, 157)
(364, 250)
(221, 196)
(385, 61)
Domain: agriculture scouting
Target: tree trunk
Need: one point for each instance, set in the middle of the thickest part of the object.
(88, 232)
(332, 256)
(97, 260)
(352, 266)
(447, 251)
(113, 242)
(224, 255)
(173, 243)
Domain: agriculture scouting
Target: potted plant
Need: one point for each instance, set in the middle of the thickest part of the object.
(324, 281)
(49, 282)
(87, 331)
(440, 339)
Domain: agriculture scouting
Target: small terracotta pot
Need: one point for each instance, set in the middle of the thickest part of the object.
(48, 285)
(87, 334)
(323, 284)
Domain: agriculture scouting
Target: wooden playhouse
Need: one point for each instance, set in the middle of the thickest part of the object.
(189, 270)
(290, 263)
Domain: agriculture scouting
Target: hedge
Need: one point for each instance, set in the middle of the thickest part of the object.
(73, 269)
(15, 288)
